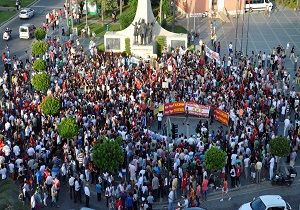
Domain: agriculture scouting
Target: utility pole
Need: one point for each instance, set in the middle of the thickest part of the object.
(250, 9)
(160, 11)
(242, 33)
(237, 26)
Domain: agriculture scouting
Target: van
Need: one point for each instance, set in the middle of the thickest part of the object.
(258, 5)
(26, 31)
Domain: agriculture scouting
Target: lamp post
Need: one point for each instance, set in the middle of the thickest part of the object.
(250, 10)
(242, 33)
(237, 26)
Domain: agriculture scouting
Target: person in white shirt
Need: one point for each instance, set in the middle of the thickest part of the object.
(72, 186)
(246, 166)
(16, 150)
(87, 195)
(77, 191)
(271, 169)
(159, 119)
(286, 125)
(32, 202)
(171, 199)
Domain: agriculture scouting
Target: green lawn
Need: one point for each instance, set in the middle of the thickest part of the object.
(12, 3)
(5, 15)
(98, 28)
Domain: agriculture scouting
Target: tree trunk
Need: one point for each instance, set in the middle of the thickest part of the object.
(102, 12)
(121, 7)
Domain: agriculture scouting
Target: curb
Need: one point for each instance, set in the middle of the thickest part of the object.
(16, 15)
(212, 194)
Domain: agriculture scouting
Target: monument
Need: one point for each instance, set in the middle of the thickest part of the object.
(142, 33)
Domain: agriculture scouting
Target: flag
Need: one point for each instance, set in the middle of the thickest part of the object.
(212, 54)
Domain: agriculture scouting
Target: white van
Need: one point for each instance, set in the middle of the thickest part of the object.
(26, 31)
(258, 4)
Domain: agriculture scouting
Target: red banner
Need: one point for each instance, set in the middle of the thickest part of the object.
(221, 116)
(174, 108)
(197, 109)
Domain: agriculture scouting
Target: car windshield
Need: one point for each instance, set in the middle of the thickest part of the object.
(257, 204)
(23, 29)
(23, 12)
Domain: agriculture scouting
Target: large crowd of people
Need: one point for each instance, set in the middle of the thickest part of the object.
(113, 95)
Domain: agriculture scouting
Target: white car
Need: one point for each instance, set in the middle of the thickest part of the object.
(26, 13)
(267, 202)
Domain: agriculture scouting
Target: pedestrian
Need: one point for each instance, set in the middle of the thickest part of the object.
(225, 190)
(205, 187)
(108, 193)
(32, 202)
(238, 174)
(219, 48)
(171, 199)
(77, 196)
(72, 186)
(292, 55)
(230, 51)
(198, 194)
(233, 176)
(271, 167)
(258, 167)
(87, 195)
(246, 166)
(98, 191)
(159, 119)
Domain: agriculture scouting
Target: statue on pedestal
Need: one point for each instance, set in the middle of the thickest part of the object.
(143, 31)
(150, 32)
(136, 33)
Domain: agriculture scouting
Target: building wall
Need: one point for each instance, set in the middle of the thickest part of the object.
(201, 6)
(193, 6)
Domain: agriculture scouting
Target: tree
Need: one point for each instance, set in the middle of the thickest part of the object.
(280, 146)
(68, 128)
(39, 65)
(166, 7)
(41, 81)
(40, 33)
(50, 105)
(39, 48)
(215, 159)
(108, 154)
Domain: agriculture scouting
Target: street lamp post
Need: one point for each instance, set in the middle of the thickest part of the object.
(237, 27)
(242, 32)
(250, 9)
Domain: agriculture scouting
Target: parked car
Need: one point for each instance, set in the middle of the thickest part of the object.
(267, 202)
(194, 208)
(26, 13)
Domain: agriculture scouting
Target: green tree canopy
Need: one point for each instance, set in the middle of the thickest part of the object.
(40, 33)
(108, 154)
(280, 146)
(39, 65)
(68, 128)
(215, 159)
(50, 105)
(39, 48)
(41, 81)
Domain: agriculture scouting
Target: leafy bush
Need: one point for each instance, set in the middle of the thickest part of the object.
(41, 81)
(127, 17)
(39, 48)
(50, 105)
(160, 44)
(40, 33)
(280, 146)
(288, 3)
(39, 65)
(101, 47)
(68, 128)
(215, 159)
(108, 154)
(127, 46)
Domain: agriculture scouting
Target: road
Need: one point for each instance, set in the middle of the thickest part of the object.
(18, 46)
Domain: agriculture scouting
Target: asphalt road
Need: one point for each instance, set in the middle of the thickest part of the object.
(18, 46)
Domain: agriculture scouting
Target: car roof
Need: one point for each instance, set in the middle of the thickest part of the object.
(272, 200)
(26, 25)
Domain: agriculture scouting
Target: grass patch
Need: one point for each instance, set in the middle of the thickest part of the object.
(5, 15)
(98, 28)
(12, 3)
(177, 29)
(9, 196)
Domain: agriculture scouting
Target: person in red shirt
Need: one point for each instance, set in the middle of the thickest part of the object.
(225, 189)
(205, 188)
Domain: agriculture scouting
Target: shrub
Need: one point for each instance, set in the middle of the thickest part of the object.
(50, 105)
(160, 44)
(41, 82)
(39, 65)
(215, 159)
(68, 128)
(108, 154)
(39, 48)
(101, 47)
(40, 33)
(127, 46)
(280, 146)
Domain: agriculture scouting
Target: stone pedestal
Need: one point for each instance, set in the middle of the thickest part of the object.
(115, 41)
